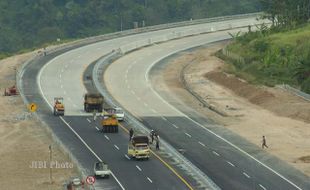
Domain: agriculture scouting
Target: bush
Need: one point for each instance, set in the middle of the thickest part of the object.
(305, 86)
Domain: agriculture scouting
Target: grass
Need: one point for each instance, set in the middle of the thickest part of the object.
(270, 57)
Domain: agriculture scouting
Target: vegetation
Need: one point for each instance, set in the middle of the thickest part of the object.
(31, 23)
(279, 54)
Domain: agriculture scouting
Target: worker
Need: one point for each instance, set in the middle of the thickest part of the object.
(264, 144)
(130, 133)
(94, 116)
(152, 133)
(157, 142)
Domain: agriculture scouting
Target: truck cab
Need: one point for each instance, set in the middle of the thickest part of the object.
(139, 148)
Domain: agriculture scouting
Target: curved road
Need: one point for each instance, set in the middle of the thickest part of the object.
(60, 75)
(214, 152)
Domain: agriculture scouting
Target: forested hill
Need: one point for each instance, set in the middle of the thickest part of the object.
(31, 23)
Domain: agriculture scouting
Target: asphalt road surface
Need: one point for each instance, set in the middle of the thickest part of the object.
(60, 75)
(230, 166)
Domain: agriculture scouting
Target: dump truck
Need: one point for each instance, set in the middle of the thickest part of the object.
(59, 107)
(109, 124)
(101, 170)
(138, 147)
(93, 102)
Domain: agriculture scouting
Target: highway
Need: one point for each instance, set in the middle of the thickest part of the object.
(61, 74)
(230, 161)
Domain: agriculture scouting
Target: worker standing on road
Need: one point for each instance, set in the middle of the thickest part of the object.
(130, 133)
(152, 133)
(264, 144)
(94, 115)
(157, 142)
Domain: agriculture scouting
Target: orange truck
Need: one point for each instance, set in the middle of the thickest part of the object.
(110, 124)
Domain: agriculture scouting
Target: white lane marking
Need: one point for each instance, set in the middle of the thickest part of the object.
(65, 92)
(97, 128)
(262, 187)
(79, 56)
(149, 179)
(208, 130)
(107, 137)
(188, 135)
(88, 120)
(66, 66)
(116, 147)
(245, 174)
(60, 76)
(230, 163)
(99, 48)
(145, 104)
(127, 72)
(126, 81)
(61, 86)
(69, 99)
(62, 70)
(202, 144)
(174, 125)
(138, 98)
(153, 110)
(74, 105)
(132, 92)
(217, 154)
(128, 86)
(138, 168)
(164, 118)
(127, 156)
(91, 150)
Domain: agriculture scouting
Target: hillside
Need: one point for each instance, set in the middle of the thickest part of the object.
(31, 23)
(271, 58)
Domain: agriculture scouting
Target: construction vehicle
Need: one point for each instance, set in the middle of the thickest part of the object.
(110, 124)
(93, 102)
(10, 91)
(101, 169)
(59, 108)
(138, 147)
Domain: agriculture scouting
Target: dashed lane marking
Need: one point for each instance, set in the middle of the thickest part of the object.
(127, 156)
(164, 118)
(188, 135)
(166, 164)
(153, 110)
(202, 144)
(138, 168)
(132, 92)
(230, 163)
(87, 146)
(88, 120)
(116, 147)
(174, 125)
(262, 187)
(245, 174)
(97, 128)
(149, 180)
(107, 137)
(217, 154)
(145, 104)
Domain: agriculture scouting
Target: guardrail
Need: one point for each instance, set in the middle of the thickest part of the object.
(131, 47)
(295, 91)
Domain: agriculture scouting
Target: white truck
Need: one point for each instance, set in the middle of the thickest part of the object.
(101, 169)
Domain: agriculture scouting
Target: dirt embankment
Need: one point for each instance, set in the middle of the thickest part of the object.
(24, 141)
(251, 111)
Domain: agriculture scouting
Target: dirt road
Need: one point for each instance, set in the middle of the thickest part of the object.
(247, 110)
